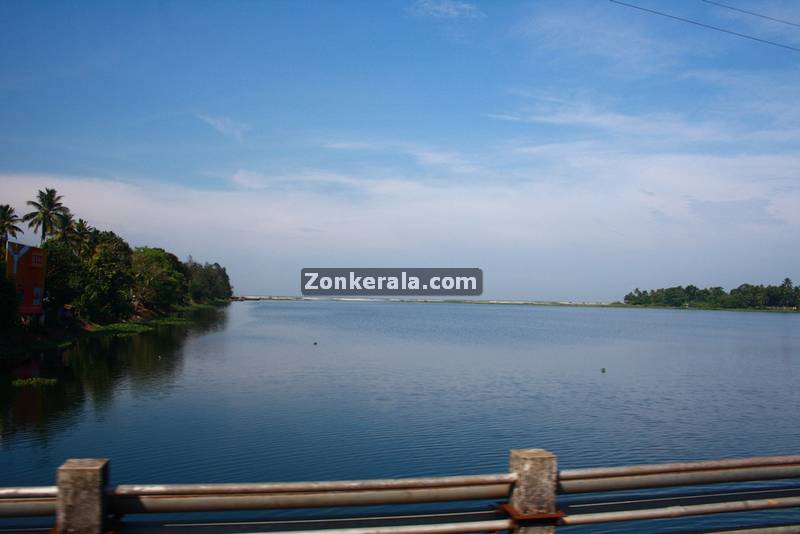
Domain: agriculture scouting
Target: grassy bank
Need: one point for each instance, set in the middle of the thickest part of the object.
(141, 325)
(21, 342)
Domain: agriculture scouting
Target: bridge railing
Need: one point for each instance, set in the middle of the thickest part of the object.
(83, 500)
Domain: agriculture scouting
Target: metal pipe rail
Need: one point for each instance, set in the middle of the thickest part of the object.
(505, 479)
(28, 507)
(31, 491)
(681, 511)
(135, 504)
(686, 478)
(440, 528)
(679, 467)
(530, 487)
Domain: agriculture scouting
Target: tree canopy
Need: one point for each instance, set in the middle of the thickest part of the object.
(108, 284)
(65, 274)
(160, 279)
(208, 282)
(784, 295)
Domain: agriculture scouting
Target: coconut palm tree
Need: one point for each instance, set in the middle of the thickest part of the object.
(64, 227)
(8, 226)
(46, 207)
(84, 235)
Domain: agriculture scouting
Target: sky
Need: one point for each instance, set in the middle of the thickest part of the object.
(573, 150)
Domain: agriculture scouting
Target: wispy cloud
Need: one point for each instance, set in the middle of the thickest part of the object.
(298, 179)
(767, 96)
(759, 26)
(247, 179)
(354, 145)
(627, 44)
(586, 116)
(448, 161)
(446, 9)
(747, 112)
(225, 126)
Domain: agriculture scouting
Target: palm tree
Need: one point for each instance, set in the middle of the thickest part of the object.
(8, 226)
(46, 207)
(64, 228)
(83, 237)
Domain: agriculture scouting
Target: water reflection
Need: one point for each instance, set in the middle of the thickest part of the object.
(88, 375)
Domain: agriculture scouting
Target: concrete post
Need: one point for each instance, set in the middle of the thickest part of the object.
(534, 492)
(82, 496)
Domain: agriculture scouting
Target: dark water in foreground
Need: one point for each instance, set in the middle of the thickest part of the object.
(410, 389)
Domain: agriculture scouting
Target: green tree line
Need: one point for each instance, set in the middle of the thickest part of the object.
(99, 273)
(747, 296)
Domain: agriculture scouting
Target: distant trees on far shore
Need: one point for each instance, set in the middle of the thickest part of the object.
(97, 272)
(746, 296)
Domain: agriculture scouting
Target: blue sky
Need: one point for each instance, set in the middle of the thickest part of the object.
(573, 150)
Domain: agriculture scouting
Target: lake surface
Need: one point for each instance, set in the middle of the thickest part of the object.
(406, 389)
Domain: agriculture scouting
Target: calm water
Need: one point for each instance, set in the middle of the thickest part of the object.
(409, 389)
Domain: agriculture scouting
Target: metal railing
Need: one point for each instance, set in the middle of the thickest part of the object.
(83, 500)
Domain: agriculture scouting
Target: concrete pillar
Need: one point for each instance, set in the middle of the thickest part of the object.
(534, 492)
(82, 496)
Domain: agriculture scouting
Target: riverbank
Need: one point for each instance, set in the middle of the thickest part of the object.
(23, 341)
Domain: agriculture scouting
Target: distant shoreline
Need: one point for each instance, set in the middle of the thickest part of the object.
(246, 298)
(506, 302)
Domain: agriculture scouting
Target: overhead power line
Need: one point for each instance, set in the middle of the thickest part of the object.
(720, 4)
(709, 26)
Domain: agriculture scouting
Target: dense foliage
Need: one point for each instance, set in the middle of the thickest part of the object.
(160, 279)
(65, 275)
(99, 273)
(785, 296)
(208, 282)
(108, 284)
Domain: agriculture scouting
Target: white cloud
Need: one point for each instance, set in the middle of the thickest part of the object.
(748, 112)
(225, 126)
(249, 179)
(767, 96)
(297, 180)
(354, 145)
(584, 114)
(634, 215)
(633, 45)
(446, 9)
(759, 26)
(443, 160)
